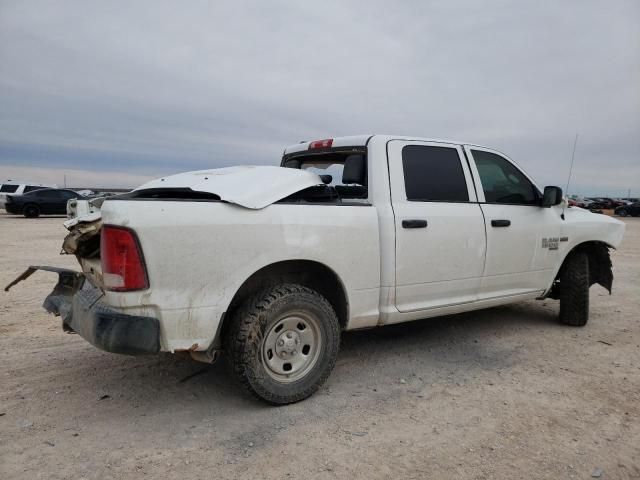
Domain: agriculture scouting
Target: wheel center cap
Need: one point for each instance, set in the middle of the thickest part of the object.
(287, 344)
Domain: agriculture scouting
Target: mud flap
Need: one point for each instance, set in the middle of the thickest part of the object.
(600, 268)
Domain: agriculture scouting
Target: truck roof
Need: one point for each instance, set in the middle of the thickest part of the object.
(363, 140)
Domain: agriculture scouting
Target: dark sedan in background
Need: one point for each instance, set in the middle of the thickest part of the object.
(40, 202)
(632, 210)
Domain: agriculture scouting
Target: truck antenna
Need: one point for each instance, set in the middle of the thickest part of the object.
(566, 190)
(573, 155)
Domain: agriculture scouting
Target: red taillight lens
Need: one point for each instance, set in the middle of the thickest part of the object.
(122, 264)
(326, 143)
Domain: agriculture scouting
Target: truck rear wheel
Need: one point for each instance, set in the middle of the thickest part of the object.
(283, 343)
(574, 290)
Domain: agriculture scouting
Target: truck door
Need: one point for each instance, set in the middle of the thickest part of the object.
(522, 237)
(440, 231)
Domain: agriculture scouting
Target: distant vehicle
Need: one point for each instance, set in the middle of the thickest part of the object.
(597, 203)
(632, 210)
(86, 193)
(608, 203)
(580, 202)
(11, 187)
(42, 201)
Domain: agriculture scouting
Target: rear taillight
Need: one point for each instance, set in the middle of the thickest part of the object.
(122, 263)
(326, 143)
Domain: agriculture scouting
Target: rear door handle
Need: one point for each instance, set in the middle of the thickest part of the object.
(414, 223)
(500, 223)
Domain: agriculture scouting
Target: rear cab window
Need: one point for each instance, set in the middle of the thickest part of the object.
(343, 171)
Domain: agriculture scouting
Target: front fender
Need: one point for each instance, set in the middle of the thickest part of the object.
(595, 233)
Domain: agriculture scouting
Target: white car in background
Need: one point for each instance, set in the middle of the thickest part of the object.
(11, 187)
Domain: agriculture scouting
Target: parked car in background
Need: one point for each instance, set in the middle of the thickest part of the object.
(11, 187)
(632, 210)
(42, 201)
(597, 203)
(580, 202)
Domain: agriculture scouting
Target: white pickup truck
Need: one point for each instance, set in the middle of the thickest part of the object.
(271, 264)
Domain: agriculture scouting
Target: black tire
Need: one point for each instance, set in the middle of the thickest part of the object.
(574, 290)
(31, 210)
(257, 319)
(623, 212)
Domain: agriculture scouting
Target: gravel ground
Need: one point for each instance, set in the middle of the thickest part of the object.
(501, 393)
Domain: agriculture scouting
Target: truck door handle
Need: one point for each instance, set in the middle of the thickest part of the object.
(414, 223)
(500, 223)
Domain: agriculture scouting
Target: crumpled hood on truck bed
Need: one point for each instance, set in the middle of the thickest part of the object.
(253, 187)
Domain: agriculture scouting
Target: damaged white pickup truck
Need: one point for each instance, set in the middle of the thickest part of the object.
(270, 264)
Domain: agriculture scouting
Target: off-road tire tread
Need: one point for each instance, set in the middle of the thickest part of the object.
(574, 290)
(245, 330)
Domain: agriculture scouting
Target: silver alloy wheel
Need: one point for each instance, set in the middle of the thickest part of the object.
(291, 347)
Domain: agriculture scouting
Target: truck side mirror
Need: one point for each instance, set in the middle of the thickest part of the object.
(552, 196)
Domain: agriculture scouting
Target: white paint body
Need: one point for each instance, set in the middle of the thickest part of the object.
(198, 254)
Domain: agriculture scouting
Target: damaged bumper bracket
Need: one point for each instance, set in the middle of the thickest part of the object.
(78, 304)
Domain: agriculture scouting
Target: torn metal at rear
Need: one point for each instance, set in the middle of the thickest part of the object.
(57, 302)
(79, 306)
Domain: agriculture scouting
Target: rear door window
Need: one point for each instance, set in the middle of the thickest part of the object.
(8, 188)
(433, 174)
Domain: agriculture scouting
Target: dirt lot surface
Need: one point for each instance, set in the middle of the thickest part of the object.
(501, 393)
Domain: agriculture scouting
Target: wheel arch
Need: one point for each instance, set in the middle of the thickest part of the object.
(309, 273)
(600, 266)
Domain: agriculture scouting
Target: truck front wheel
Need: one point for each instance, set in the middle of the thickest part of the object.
(283, 343)
(574, 290)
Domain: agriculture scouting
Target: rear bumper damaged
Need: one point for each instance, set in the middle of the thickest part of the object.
(78, 304)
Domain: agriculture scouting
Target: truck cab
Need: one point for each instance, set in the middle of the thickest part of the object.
(461, 225)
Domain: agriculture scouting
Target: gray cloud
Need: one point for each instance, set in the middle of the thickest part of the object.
(143, 89)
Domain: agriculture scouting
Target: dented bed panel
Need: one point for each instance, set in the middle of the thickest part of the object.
(194, 268)
(252, 187)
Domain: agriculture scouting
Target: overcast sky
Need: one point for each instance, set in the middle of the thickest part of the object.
(113, 93)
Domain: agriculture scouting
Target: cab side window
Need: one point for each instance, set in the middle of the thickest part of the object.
(48, 194)
(502, 182)
(433, 174)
